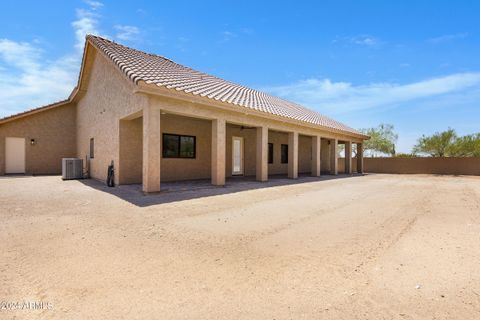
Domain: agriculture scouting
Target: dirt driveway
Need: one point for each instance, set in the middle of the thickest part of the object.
(371, 247)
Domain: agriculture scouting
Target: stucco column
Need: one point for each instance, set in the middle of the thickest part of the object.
(348, 157)
(293, 155)
(360, 157)
(334, 156)
(316, 145)
(262, 154)
(151, 149)
(218, 151)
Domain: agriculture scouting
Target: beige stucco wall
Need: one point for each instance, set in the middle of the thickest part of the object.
(304, 154)
(460, 166)
(172, 169)
(186, 169)
(108, 98)
(341, 165)
(200, 168)
(324, 156)
(450, 165)
(131, 151)
(54, 134)
(274, 137)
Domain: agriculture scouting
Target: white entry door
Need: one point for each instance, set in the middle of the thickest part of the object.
(15, 155)
(237, 155)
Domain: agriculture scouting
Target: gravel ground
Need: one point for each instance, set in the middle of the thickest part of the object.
(365, 247)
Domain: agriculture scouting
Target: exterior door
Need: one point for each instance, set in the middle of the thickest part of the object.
(14, 155)
(237, 156)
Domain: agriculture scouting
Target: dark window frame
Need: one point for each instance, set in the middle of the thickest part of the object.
(284, 157)
(179, 147)
(92, 148)
(270, 153)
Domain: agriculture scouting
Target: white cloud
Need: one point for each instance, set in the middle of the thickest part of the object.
(342, 97)
(227, 35)
(29, 80)
(18, 54)
(415, 108)
(95, 5)
(127, 33)
(448, 37)
(361, 40)
(365, 40)
(247, 31)
(86, 23)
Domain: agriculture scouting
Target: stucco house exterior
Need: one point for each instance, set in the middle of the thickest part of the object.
(160, 121)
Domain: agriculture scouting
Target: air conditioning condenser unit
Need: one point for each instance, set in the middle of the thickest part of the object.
(72, 168)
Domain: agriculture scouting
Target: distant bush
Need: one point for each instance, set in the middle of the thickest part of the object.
(405, 155)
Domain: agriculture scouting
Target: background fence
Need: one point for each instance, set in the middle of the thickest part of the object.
(455, 166)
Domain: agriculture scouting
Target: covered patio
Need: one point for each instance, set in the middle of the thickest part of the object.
(159, 147)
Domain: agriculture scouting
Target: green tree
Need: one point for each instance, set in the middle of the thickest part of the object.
(449, 144)
(382, 140)
(466, 146)
(440, 144)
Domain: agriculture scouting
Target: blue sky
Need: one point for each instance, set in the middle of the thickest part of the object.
(414, 64)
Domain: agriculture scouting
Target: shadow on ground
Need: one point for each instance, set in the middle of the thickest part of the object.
(194, 189)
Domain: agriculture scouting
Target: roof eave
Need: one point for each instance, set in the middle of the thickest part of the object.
(143, 87)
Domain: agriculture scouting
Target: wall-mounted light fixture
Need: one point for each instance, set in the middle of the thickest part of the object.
(33, 142)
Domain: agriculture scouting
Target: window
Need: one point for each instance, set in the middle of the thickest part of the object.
(92, 148)
(270, 153)
(284, 153)
(178, 146)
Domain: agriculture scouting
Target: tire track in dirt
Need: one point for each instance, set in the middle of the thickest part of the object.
(373, 248)
(377, 303)
(26, 276)
(206, 237)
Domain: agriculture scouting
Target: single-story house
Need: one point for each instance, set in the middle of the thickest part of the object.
(161, 121)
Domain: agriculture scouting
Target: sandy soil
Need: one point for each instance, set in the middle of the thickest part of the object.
(371, 247)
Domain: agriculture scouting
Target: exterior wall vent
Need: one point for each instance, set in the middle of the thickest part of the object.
(72, 168)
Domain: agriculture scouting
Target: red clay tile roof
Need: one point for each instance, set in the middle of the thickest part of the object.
(154, 69)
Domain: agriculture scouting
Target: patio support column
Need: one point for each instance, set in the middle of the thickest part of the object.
(334, 156)
(316, 145)
(360, 157)
(151, 149)
(293, 155)
(348, 157)
(218, 151)
(262, 154)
